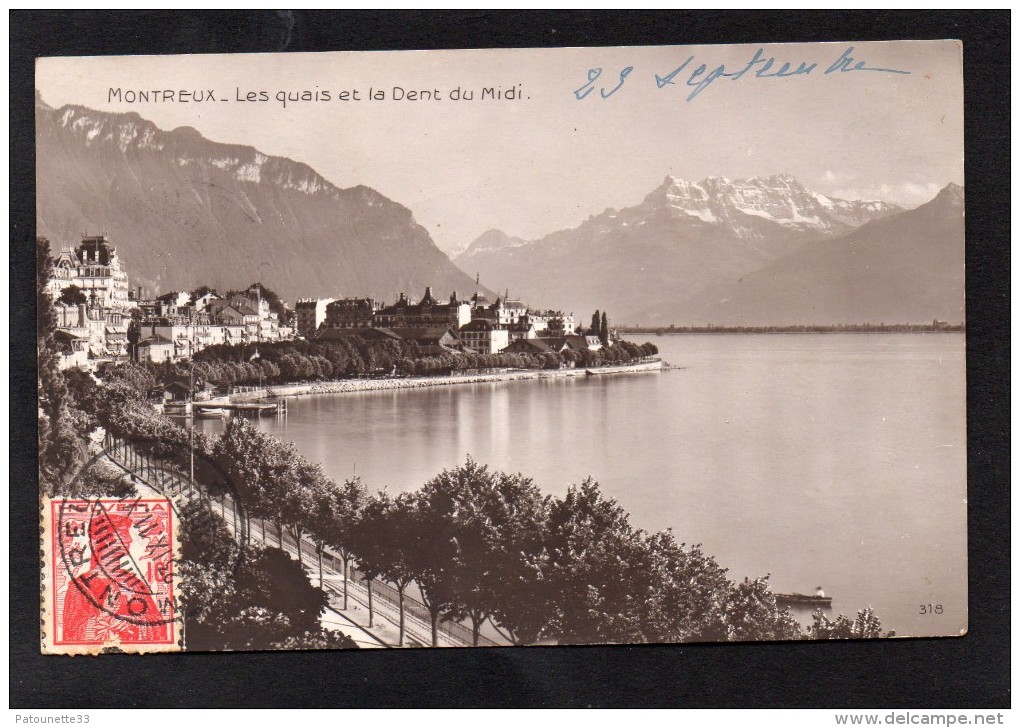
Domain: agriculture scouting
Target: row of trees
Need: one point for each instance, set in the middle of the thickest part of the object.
(302, 361)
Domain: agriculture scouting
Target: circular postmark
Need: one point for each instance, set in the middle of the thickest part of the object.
(119, 557)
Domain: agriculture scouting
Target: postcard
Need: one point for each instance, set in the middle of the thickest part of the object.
(491, 348)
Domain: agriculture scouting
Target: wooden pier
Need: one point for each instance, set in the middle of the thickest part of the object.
(256, 409)
(216, 408)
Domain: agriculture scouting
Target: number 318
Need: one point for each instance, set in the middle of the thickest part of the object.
(930, 609)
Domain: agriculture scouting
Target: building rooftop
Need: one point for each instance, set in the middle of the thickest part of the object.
(430, 335)
(154, 340)
(538, 345)
(480, 324)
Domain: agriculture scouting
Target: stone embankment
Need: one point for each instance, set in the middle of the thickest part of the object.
(367, 385)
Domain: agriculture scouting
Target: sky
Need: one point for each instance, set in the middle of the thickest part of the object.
(564, 148)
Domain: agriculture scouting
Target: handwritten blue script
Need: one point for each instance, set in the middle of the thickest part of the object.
(700, 77)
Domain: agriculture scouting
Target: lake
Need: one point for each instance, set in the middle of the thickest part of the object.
(833, 460)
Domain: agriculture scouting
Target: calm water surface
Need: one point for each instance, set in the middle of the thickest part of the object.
(833, 460)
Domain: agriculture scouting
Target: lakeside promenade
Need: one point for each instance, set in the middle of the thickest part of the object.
(367, 385)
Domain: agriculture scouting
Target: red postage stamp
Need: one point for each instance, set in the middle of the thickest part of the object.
(109, 576)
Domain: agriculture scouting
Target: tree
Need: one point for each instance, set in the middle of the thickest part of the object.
(201, 291)
(298, 502)
(752, 614)
(205, 538)
(442, 531)
(137, 378)
(243, 598)
(270, 578)
(338, 510)
(259, 466)
(501, 529)
(87, 395)
(687, 603)
(268, 604)
(72, 296)
(386, 544)
(101, 479)
(599, 569)
(603, 330)
(62, 426)
(596, 323)
(281, 485)
(865, 626)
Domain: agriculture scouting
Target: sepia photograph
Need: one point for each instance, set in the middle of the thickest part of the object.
(501, 347)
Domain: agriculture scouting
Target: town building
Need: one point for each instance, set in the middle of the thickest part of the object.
(551, 323)
(483, 336)
(74, 350)
(235, 334)
(102, 329)
(578, 342)
(270, 329)
(170, 304)
(181, 333)
(310, 314)
(172, 327)
(155, 349)
(504, 311)
(243, 316)
(94, 268)
(511, 310)
(351, 313)
(202, 302)
(429, 342)
(428, 313)
(521, 331)
(206, 334)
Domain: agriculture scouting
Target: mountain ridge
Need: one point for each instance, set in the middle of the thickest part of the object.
(185, 211)
(906, 268)
(683, 237)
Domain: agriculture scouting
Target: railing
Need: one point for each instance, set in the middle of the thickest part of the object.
(164, 477)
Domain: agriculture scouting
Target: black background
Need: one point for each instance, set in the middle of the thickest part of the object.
(968, 672)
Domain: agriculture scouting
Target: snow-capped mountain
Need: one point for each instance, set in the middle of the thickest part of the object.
(682, 238)
(780, 199)
(906, 268)
(184, 211)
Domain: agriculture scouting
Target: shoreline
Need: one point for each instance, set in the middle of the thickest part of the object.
(760, 332)
(343, 386)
